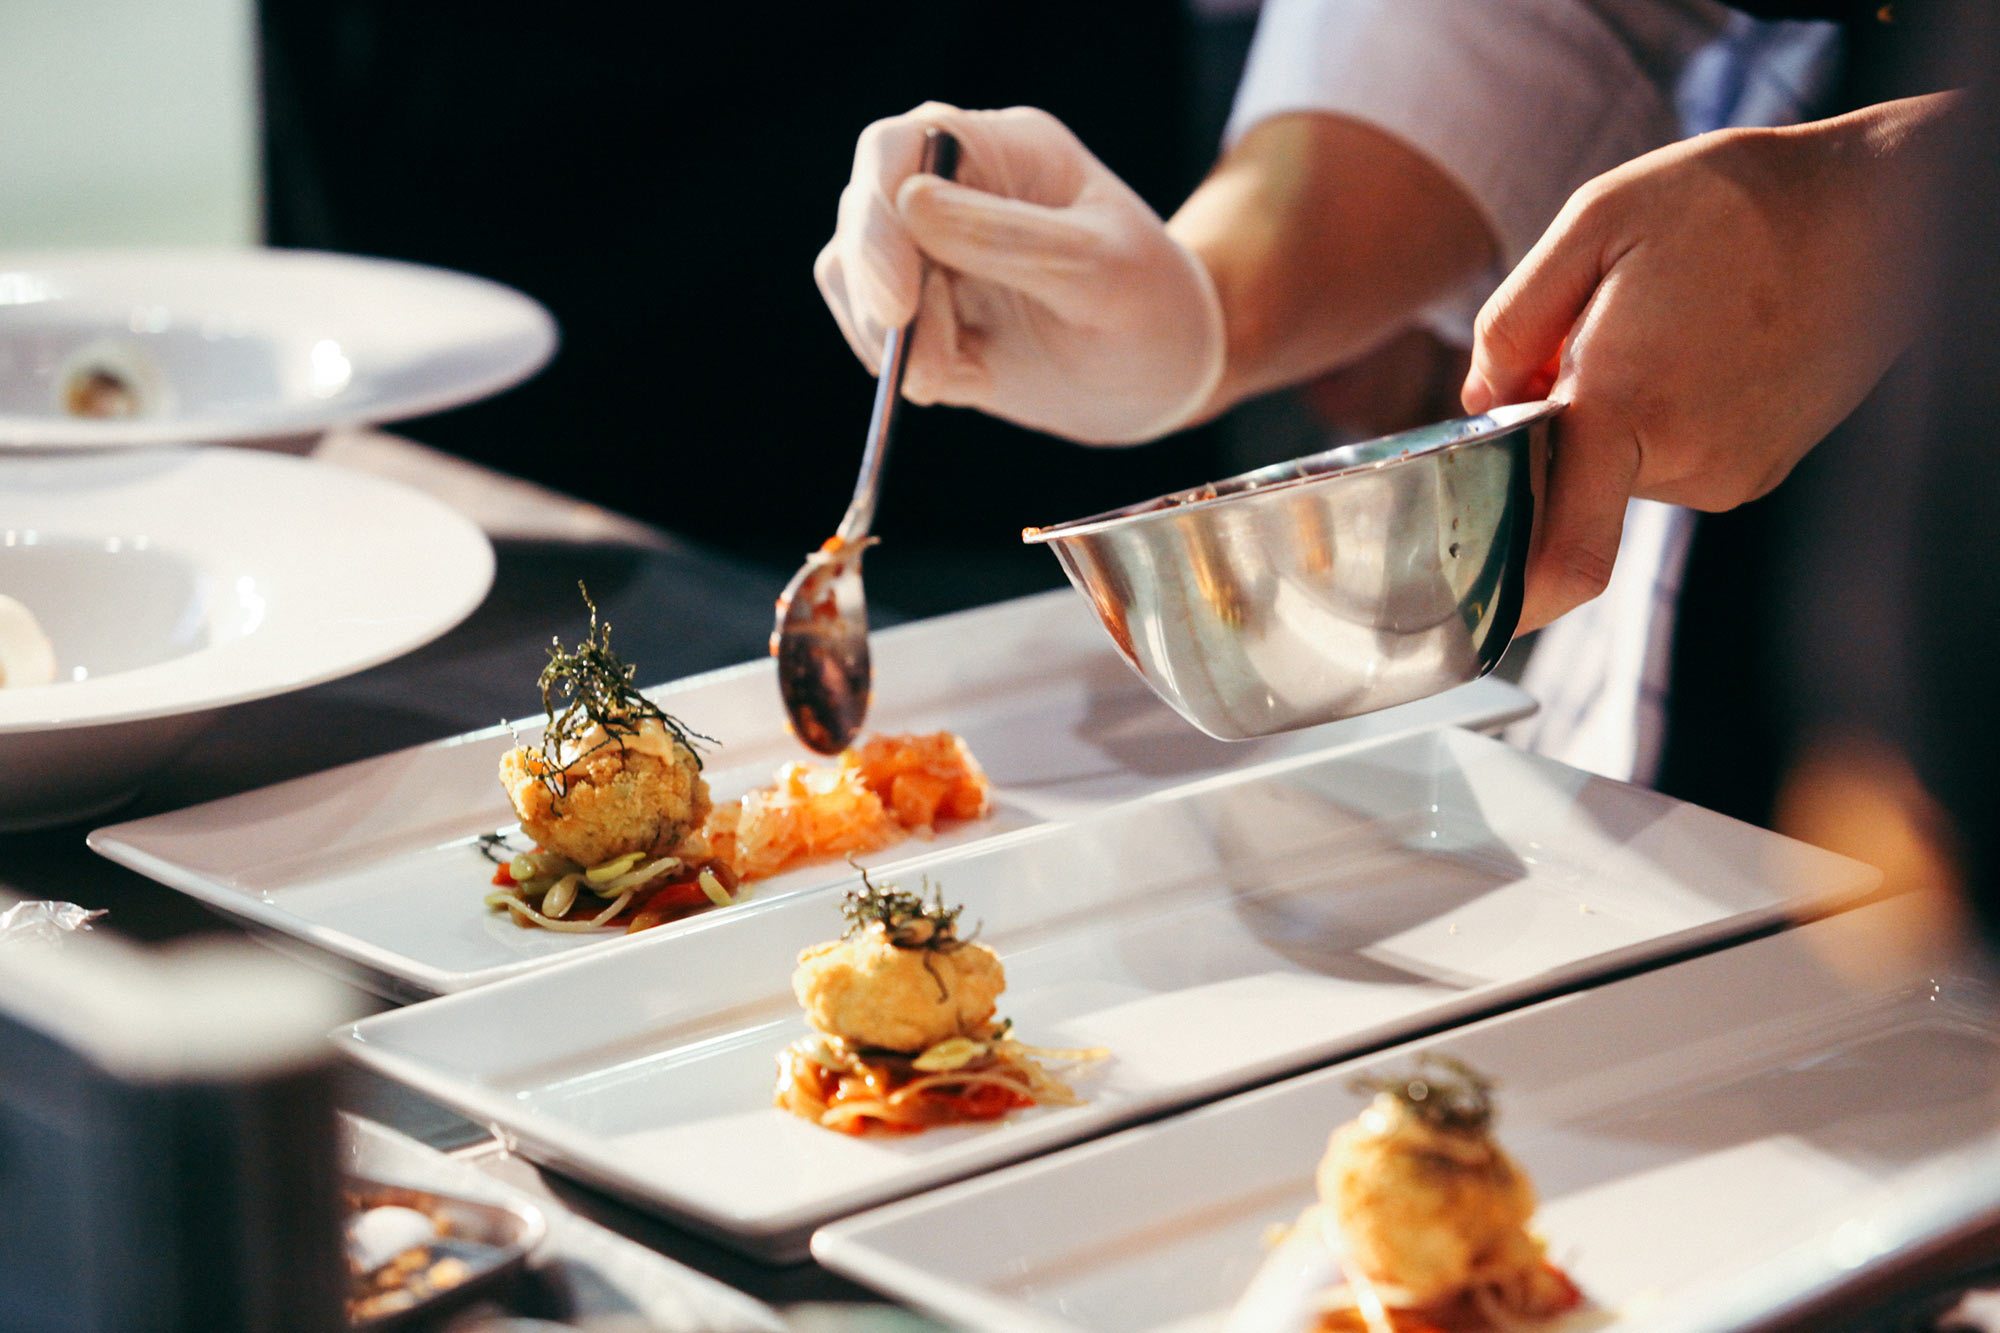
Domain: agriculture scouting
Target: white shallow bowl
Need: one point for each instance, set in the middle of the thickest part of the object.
(173, 582)
(218, 345)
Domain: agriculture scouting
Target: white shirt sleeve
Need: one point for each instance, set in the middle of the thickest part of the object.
(1519, 101)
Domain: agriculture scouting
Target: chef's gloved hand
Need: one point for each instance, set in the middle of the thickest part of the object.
(1057, 300)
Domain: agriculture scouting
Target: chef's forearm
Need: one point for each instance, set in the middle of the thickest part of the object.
(1325, 236)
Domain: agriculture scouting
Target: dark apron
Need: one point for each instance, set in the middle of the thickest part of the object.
(1793, 617)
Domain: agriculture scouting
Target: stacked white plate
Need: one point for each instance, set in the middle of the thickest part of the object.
(105, 349)
(170, 582)
(174, 582)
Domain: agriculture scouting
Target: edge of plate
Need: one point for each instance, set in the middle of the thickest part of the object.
(472, 544)
(538, 327)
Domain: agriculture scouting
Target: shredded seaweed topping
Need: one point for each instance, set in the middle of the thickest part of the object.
(586, 687)
(907, 919)
(1439, 1089)
(495, 848)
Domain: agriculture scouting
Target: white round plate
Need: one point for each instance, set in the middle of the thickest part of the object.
(173, 582)
(210, 345)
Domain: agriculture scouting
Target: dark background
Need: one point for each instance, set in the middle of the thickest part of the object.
(661, 177)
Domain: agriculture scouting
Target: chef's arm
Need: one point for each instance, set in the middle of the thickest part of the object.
(1325, 236)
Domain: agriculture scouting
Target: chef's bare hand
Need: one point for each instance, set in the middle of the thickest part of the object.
(1059, 301)
(1709, 311)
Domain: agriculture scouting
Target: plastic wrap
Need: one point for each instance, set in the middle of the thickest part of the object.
(41, 924)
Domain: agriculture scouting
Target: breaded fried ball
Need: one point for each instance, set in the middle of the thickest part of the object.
(645, 796)
(1425, 1208)
(871, 993)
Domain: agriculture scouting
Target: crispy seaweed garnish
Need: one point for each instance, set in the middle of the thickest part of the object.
(587, 686)
(495, 848)
(1441, 1090)
(907, 919)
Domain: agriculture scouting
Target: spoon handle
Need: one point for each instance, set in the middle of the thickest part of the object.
(940, 158)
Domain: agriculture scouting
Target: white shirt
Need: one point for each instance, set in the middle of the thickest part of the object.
(1520, 103)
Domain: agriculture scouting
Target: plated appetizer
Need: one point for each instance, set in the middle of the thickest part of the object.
(1422, 1224)
(614, 800)
(626, 835)
(905, 1036)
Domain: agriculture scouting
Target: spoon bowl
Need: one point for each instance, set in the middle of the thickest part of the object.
(821, 643)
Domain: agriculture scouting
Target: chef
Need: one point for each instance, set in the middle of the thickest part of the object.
(1387, 161)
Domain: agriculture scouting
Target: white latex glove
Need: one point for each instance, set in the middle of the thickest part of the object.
(1059, 301)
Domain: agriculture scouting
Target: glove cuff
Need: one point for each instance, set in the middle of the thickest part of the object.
(1212, 344)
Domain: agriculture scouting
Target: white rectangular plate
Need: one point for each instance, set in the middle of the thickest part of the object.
(1717, 1136)
(1210, 939)
(376, 862)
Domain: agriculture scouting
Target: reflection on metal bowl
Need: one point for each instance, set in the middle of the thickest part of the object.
(1336, 584)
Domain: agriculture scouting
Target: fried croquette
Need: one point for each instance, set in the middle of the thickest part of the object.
(875, 995)
(638, 793)
(1430, 1209)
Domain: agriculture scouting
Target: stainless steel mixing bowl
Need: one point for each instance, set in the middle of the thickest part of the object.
(1336, 584)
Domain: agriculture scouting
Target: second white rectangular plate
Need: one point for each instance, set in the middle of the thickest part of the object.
(375, 862)
(1210, 939)
(1712, 1142)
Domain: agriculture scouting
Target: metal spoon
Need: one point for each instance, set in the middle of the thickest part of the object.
(821, 638)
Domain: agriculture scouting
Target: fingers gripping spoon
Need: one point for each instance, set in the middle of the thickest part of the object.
(821, 638)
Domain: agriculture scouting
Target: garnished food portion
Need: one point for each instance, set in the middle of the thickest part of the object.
(1423, 1217)
(613, 798)
(905, 1036)
(880, 791)
(625, 835)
